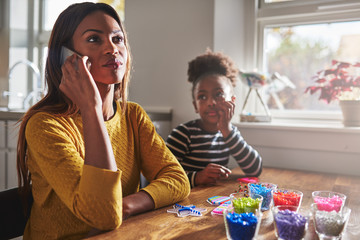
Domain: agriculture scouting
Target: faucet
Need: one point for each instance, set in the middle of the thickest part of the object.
(36, 93)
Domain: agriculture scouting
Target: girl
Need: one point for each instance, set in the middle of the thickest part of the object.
(203, 146)
(80, 147)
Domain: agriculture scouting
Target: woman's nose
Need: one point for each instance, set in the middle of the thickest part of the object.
(111, 48)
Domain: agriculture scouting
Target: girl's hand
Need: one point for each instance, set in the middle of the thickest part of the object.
(226, 111)
(78, 84)
(211, 174)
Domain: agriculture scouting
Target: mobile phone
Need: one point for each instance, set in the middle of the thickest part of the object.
(66, 52)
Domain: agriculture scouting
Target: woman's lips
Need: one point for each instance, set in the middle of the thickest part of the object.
(113, 63)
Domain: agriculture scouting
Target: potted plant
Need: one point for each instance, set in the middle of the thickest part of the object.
(340, 82)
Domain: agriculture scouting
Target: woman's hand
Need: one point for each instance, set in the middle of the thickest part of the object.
(137, 203)
(211, 174)
(226, 111)
(78, 84)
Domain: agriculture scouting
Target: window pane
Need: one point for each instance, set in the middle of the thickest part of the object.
(54, 7)
(299, 52)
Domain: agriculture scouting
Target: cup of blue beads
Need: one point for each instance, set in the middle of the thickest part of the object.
(330, 225)
(242, 226)
(265, 190)
(291, 222)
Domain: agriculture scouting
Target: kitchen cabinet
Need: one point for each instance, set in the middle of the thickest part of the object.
(8, 142)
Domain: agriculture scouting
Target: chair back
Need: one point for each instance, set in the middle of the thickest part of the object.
(12, 215)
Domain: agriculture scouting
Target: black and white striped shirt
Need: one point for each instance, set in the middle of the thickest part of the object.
(195, 148)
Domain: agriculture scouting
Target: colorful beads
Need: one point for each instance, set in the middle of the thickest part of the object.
(246, 204)
(290, 225)
(331, 224)
(265, 190)
(241, 226)
(329, 204)
(287, 197)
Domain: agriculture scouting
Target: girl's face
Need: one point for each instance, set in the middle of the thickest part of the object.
(100, 38)
(208, 92)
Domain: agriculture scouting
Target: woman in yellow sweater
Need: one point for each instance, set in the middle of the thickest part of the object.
(82, 147)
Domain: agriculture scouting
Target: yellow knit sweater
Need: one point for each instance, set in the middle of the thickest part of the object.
(70, 198)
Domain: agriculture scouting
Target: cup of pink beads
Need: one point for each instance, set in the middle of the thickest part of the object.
(329, 201)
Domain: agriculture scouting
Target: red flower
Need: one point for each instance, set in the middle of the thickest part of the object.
(331, 82)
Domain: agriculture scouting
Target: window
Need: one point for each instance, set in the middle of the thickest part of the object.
(299, 38)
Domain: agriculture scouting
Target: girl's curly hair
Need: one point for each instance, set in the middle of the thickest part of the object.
(212, 63)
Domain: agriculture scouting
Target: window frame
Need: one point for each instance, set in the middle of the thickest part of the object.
(298, 13)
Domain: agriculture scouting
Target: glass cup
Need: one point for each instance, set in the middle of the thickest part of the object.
(328, 200)
(282, 196)
(291, 222)
(243, 226)
(265, 190)
(330, 225)
(241, 202)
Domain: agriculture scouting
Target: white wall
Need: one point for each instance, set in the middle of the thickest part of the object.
(164, 36)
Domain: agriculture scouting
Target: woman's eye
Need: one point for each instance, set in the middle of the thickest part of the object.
(220, 95)
(93, 39)
(118, 39)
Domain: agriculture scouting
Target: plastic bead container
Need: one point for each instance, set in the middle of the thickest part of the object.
(329, 201)
(290, 222)
(243, 226)
(265, 190)
(242, 203)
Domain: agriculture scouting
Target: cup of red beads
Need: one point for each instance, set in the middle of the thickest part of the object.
(282, 196)
(243, 203)
(328, 200)
(264, 189)
(242, 226)
(291, 222)
(330, 225)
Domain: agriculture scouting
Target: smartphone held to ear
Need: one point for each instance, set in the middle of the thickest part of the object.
(65, 52)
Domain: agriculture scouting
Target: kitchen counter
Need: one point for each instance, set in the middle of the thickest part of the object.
(6, 114)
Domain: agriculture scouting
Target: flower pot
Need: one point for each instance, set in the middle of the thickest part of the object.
(351, 112)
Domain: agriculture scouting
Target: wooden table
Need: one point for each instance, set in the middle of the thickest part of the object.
(159, 224)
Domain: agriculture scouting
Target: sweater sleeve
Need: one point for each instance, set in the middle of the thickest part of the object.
(245, 155)
(168, 181)
(56, 155)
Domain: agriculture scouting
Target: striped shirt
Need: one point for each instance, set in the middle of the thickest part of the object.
(195, 148)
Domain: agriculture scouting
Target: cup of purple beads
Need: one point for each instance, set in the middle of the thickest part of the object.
(242, 226)
(265, 190)
(291, 222)
(330, 225)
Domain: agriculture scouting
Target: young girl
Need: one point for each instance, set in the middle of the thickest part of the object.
(203, 146)
(81, 149)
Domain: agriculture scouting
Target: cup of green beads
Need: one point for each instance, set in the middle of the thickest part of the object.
(243, 203)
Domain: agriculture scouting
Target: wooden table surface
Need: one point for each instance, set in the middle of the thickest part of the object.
(159, 224)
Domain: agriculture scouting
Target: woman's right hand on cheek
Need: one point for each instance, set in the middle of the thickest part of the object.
(78, 84)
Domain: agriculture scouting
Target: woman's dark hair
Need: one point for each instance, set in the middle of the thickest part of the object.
(55, 101)
(212, 63)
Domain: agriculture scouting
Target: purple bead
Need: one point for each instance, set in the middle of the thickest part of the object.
(290, 225)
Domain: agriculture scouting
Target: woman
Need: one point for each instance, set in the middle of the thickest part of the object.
(81, 148)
